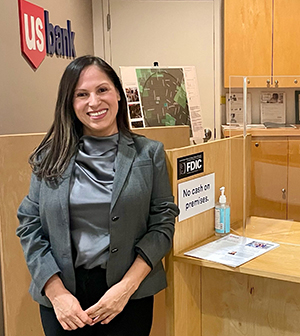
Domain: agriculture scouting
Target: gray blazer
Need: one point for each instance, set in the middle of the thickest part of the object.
(142, 217)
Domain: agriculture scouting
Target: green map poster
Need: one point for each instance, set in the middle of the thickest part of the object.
(160, 97)
(163, 97)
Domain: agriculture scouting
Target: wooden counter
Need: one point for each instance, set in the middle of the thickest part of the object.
(281, 263)
(259, 298)
(261, 132)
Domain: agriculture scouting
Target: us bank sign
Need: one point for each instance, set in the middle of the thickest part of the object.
(40, 37)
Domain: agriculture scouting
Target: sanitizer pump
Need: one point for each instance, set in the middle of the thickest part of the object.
(222, 215)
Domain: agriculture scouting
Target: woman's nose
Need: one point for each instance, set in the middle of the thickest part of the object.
(93, 99)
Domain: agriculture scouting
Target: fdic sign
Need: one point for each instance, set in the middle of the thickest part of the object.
(39, 36)
(190, 165)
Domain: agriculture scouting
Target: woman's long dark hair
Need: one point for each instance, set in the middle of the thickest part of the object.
(51, 158)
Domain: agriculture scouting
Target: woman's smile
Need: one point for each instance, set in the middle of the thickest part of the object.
(97, 114)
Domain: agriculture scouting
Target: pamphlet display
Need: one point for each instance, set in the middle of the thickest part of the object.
(163, 97)
(235, 109)
(273, 107)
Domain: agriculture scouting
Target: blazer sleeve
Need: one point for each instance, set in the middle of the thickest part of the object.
(156, 243)
(36, 246)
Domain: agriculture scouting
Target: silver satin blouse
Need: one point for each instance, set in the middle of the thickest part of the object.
(90, 198)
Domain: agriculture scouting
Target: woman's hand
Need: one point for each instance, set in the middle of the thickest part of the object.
(67, 308)
(116, 298)
(111, 303)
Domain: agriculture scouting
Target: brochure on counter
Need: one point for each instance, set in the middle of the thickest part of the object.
(232, 250)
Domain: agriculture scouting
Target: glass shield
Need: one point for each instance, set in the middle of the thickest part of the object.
(264, 113)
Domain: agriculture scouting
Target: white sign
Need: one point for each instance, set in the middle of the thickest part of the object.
(196, 196)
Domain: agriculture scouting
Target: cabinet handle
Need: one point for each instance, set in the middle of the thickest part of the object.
(296, 81)
(256, 144)
(276, 83)
(283, 193)
(268, 81)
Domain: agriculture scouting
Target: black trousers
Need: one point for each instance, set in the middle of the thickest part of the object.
(134, 320)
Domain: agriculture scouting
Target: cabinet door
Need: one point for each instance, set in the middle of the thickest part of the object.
(294, 179)
(286, 41)
(269, 177)
(247, 39)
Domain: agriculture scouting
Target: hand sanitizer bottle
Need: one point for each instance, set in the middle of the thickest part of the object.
(222, 215)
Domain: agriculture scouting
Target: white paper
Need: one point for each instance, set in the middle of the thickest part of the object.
(192, 92)
(235, 109)
(273, 107)
(232, 250)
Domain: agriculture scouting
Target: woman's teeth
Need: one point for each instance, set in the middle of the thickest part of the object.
(94, 114)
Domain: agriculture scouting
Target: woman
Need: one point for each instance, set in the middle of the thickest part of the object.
(99, 216)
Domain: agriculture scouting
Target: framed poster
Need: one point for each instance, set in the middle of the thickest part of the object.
(166, 96)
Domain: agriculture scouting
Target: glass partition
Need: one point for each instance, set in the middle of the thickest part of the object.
(264, 113)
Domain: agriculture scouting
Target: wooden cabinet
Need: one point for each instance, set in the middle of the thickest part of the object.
(247, 39)
(261, 38)
(286, 45)
(293, 183)
(269, 159)
(275, 177)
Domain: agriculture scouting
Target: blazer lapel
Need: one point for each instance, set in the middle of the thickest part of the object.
(125, 156)
(64, 188)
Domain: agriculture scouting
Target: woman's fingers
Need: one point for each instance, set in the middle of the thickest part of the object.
(65, 326)
(78, 322)
(108, 319)
(69, 312)
(84, 318)
(72, 325)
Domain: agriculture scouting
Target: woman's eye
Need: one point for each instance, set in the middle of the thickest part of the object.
(103, 89)
(81, 94)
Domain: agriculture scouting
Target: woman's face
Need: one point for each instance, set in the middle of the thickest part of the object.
(96, 102)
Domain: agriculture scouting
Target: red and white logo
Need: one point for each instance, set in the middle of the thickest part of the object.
(32, 28)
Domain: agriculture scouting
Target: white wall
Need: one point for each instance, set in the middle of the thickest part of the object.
(174, 33)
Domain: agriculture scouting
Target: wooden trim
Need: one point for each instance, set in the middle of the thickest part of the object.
(261, 132)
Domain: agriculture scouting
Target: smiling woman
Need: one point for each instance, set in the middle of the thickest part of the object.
(67, 129)
(99, 216)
